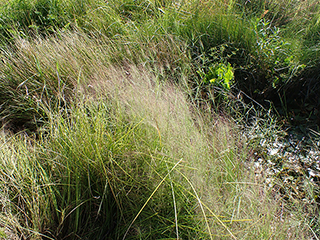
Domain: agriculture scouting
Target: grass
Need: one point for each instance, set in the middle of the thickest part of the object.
(109, 132)
(133, 159)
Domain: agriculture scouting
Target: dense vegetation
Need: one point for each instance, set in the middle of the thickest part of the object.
(138, 119)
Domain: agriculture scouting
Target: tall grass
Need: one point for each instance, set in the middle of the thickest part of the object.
(52, 71)
(127, 157)
(240, 26)
(118, 148)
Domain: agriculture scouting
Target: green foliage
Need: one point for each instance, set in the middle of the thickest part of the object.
(136, 10)
(39, 16)
(275, 55)
(219, 75)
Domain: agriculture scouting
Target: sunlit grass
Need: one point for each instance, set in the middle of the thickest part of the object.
(131, 160)
(108, 132)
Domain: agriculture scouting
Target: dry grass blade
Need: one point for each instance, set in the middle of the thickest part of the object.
(154, 191)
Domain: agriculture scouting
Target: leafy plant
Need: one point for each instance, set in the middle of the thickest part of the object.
(219, 75)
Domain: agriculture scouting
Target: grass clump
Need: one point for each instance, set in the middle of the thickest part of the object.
(123, 140)
(256, 37)
(133, 161)
(51, 71)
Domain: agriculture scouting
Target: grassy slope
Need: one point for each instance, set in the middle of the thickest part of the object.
(120, 150)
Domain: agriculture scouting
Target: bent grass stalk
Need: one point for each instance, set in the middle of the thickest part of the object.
(174, 202)
(201, 204)
(145, 204)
